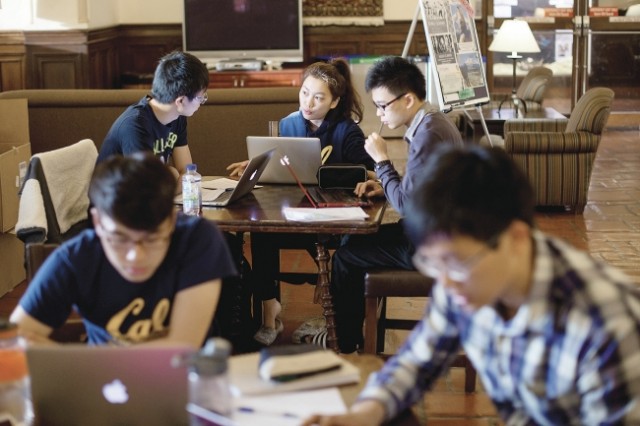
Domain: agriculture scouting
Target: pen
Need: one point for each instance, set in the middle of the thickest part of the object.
(256, 411)
(381, 127)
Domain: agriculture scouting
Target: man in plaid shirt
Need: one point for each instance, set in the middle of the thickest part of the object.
(553, 334)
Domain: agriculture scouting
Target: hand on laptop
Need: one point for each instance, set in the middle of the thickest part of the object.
(236, 169)
(370, 188)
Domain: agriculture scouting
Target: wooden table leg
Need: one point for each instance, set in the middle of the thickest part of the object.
(323, 295)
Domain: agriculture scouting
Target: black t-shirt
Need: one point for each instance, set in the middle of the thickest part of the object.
(138, 129)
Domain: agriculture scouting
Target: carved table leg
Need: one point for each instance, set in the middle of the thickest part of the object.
(323, 293)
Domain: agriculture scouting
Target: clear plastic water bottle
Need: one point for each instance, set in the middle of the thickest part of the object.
(208, 377)
(191, 191)
(15, 395)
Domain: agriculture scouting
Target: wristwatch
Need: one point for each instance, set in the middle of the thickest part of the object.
(381, 164)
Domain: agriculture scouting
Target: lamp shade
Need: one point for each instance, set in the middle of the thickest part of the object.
(514, 36)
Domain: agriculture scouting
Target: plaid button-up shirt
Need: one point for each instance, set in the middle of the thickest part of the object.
(570, 355)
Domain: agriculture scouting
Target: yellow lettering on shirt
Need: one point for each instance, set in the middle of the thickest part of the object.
(141, 329)
(162, 145)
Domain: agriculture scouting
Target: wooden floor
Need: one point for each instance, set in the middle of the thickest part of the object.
(609, 229)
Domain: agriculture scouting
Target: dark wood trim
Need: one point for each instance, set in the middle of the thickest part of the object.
(98, 58)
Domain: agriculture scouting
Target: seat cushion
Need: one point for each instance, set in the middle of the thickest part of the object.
(396, 283)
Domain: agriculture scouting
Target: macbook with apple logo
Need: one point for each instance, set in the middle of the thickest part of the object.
(107, 385)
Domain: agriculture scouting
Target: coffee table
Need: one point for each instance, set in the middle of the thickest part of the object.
(495, 118)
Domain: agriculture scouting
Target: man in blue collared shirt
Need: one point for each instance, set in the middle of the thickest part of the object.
(553, 334)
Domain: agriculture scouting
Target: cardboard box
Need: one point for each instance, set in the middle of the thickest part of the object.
(15, 152)
(11, 262)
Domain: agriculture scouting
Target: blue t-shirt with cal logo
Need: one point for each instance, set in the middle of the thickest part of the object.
(78, 276)
(138, 129)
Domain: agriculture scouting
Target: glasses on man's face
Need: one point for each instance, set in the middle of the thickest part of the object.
(122, 243)
(383, 107)
(202, 99)
(456, 270)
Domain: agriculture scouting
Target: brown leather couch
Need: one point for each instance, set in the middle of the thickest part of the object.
(216, 132)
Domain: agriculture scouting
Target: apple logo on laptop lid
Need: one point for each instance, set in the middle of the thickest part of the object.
(115, 392)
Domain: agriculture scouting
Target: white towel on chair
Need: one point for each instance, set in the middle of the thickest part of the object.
(31, 210)
(68, 172)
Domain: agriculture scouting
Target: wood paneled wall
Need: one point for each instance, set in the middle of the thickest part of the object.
(98, 58)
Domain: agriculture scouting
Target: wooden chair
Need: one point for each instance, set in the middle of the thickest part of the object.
(383, 283)
(73, 330)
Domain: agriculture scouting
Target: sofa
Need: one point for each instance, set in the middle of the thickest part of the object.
(216, 133)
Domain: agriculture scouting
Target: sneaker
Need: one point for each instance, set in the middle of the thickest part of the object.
(308, 328)
(268, 335)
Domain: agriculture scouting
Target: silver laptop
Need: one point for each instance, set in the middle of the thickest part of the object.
(304, 151)
(107, 385)
(247, 181)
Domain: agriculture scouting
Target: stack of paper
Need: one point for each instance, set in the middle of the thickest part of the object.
(308, 214)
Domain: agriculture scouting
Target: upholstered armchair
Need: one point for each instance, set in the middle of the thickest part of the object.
(558, 155)
(531, 90)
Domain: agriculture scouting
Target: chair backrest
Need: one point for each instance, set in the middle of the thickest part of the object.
(35, 255)
(591, 112)
(55, 197)
(535, 84)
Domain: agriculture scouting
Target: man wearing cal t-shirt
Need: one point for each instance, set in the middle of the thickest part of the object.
(143, 272)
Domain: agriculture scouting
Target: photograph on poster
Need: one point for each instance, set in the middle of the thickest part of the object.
(454, 53)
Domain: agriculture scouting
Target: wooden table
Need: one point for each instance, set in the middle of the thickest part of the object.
(261, 211)
(495, 120)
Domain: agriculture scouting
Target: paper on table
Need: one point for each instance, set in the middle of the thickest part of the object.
(207, 195)
(220, 183)
(283, 409)
(308, 214)
(289, 406)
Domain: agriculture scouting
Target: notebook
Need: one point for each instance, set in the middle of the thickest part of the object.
(245, 379)
(319, 197)
(300, 150)
(107, 385)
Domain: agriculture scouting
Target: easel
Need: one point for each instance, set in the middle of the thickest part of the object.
(420, 10)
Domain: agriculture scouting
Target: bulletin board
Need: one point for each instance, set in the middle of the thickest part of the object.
(455, 56)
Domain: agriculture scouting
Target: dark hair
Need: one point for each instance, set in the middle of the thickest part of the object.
(337, 75)
(398, 76)
(136, 190)
(179, 74)
(472, 191)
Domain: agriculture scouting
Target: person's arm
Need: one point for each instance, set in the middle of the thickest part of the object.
(609, 376)
(192, 314)
(363, 413)
(181, 158)
(353, 147)
(32, 330)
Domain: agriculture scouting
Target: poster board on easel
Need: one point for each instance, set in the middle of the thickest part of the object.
(455, 56)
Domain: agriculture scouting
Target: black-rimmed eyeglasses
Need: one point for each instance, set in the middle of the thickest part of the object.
(383, 107)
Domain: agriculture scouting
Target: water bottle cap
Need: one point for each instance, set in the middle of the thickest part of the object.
(212, 359)
(192, 167)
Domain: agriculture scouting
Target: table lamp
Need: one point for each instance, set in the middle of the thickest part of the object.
(514, 36)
